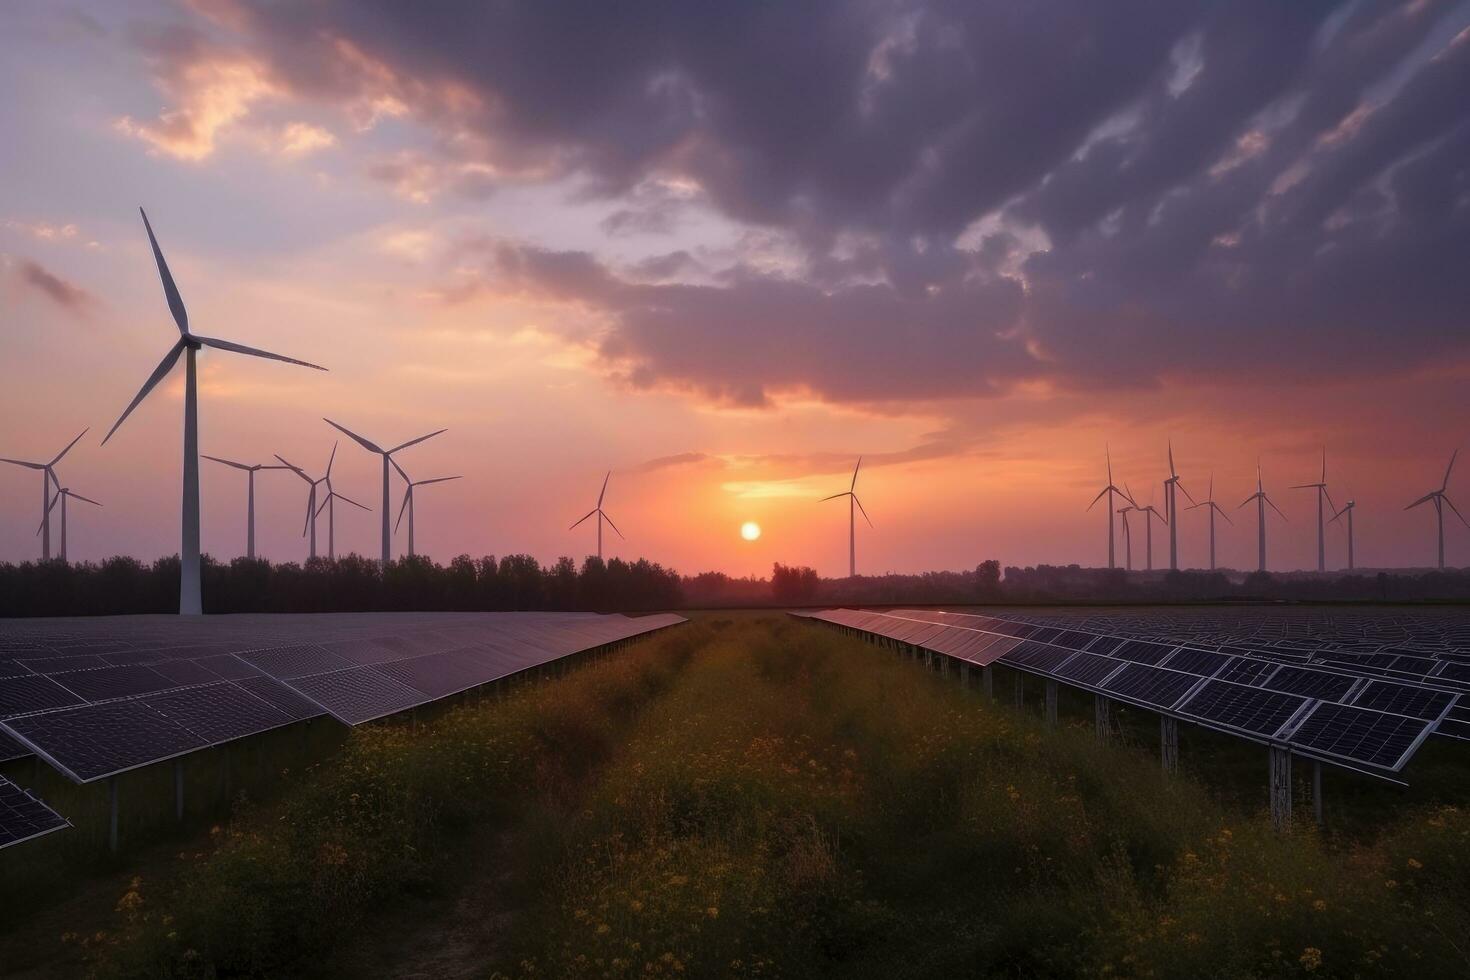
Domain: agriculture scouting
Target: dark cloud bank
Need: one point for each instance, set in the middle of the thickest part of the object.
(1169, 188)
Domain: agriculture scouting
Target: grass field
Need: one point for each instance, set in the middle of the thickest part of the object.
(752, 796)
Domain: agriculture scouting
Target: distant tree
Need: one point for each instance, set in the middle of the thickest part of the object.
(987, 578)
(792, 584)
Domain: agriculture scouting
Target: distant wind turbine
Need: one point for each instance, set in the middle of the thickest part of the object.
(1171, 506)
(1261, 501)
(311, 505)
(853, 502)
(330, 506)
(1321, 488)
(1107, 491)
(1347, 509)
(1214, 509)
(61, 495)
(190, 601)
(601, 516)
(1149, 513)
(250, 496)
(408, 503)
(48, 479)
(1127, 535)
(387, 455)
(1441, 499)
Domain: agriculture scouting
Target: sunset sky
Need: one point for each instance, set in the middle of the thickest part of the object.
(722, 249)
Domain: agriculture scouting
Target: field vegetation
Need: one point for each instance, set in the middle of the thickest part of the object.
(753, 796)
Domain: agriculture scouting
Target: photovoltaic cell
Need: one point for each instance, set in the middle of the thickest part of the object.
(1246, 670)
(1151, 685)
(1359, 734)
(1202, 662)
(1142, 652)
(23, 817)
(1073, 640)
(1401, 699)
(1249, 709)
(32, 693)
(1087, 668)
(1310, 683)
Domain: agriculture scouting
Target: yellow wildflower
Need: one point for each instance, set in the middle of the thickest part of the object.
(1310, 959)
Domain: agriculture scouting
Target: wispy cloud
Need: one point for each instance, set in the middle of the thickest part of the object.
(67, 295)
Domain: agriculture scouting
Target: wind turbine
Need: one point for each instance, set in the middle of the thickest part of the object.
(190, 601)
(250, 497)
(408, 503)
(1440, 500)
(330, 506)
(48, 479)
(1149, 513)
(1107, 491)
(1347, 509)
(61, 495)
(1321, 488)
(1261, 501)
(387, 455)
(311, 507)
(1214, 509)
(1171, 506)
(854, 502)
(601, 516)
(1127, 535)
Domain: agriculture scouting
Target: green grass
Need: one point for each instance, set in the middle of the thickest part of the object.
(756, 796)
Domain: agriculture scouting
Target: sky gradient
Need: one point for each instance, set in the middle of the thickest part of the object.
(723, 249)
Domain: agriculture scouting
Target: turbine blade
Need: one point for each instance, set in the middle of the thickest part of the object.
(164, 366)
(253, 351)
(1180, 487)
(69, 445)
(1423, 500)
(1172, 474)
(1224, 515)
(855, 473)
(401, 510)
(584, 517)
(21, 462)
(171, 291)
(227, 462)
(603, 492)
(1328, 494)
(1273, 506)
(1101, 494)
(369, 446)
(612, 525)
(860, 507)
(845, 493)
(325, 500)
(438, 479)
(293, 468)
(401, 471)
(89, 500)
(414, 442)
(1457, 512)
(349, 500)
(331, 459)
(1446, 484)
(309, 515)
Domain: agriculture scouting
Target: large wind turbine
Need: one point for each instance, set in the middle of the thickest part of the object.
(1108, 492)
(387, 455)
(330, 506)
(408, 502)
(1261, 501)
(854, 502)
(190, 601)
(61, 495)
(1440, 500)
(250, 497)
(48, 479)
(1171, 508)
(1214, 509)
(1347, 509)
(1321, 488)
(601, 516)
(311, 506)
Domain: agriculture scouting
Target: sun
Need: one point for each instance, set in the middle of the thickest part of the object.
(750, 530)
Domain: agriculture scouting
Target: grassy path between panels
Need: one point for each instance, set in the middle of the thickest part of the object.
(758, 797)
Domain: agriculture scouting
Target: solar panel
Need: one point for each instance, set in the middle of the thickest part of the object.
(1248, 709)
(1202, 662)
(10, 749)
(1402, 699)
(98, 740)
(23, 817)
(1151, 685)
(219, 712)
(32, 693)
(1088, 669)
(1246, 670)
(1036, 656)
(106, 683)
(357, 694)
(1310, 683)
(1360, 734)
(1142, 652)
(295, 661)
(280, 697)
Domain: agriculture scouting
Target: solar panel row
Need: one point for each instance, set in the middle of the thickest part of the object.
(23, 817)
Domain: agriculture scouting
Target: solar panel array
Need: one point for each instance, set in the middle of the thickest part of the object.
(23, 817)
(98, 697)
(1339, 705)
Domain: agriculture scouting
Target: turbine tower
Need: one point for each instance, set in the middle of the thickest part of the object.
(1214, 509)
(387, 455)
(1321, 488)
(601, 516)
(330, 506)
(1149, 513)
(1171, 508)
(190, 601)
(1440, 500)
(250, 496)
(854, 505)
(408, 501)
(61, 495)
(1347, 509)
(48, 480)
(1127, 535)
(311, 507)
(1108, 492)
(1261, 501)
